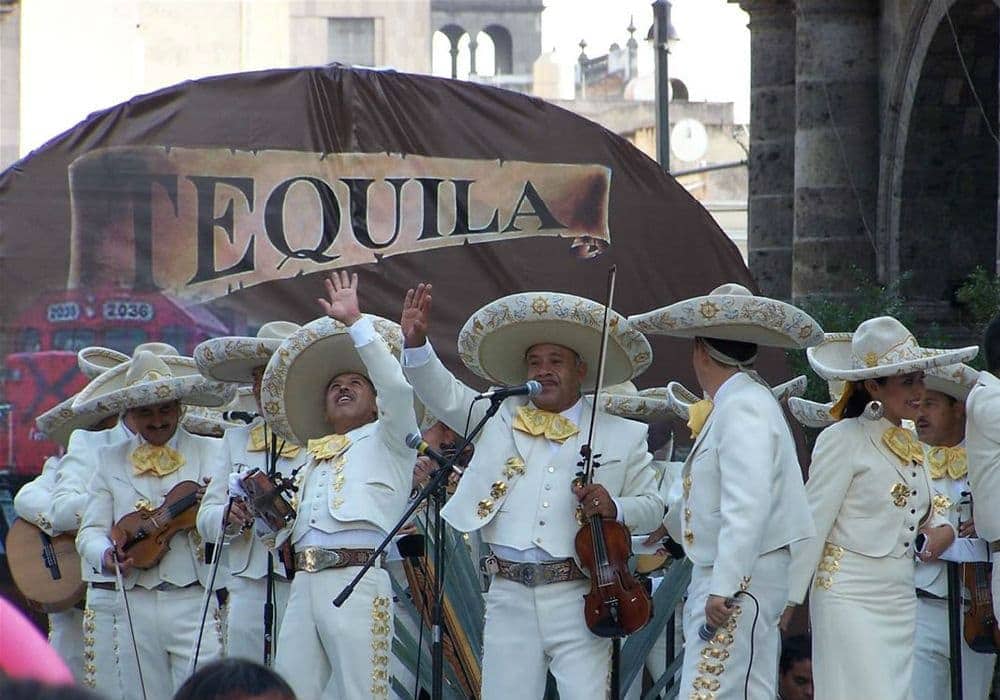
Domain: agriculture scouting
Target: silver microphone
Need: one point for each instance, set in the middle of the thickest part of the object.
(529, 388)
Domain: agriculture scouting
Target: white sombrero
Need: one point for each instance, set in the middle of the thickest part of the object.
(95, 360)
(148, 379)
(234, 358)
(881, 347)
(732, 312)
(59, 422)
(955, 381)
(646, 406)
(811, 414)
(293, 395)
(494, 340)
(214, 422)
(681, 398)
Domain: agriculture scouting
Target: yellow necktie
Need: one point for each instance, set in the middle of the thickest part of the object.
(537, 422)
(260, 438)
(698, 413)
(947, 461)
(328, 447)
(156, 459)
(903, 444)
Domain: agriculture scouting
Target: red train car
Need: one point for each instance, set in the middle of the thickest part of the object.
(41, 370)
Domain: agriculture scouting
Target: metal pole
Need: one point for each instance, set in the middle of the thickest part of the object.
(661, 33)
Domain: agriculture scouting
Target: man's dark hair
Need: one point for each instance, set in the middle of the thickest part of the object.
(793, 650)
(736, 349)
(232, 679)
(24, 689)
(350, 371)
(991, 345)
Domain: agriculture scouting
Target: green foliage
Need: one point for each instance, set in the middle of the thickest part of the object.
(980, 298)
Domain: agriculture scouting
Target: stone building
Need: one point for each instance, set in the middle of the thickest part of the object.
(873, 143)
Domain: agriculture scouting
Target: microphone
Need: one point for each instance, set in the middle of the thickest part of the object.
(245, 416)
(415, 442)
(707, 631)
(529, 388)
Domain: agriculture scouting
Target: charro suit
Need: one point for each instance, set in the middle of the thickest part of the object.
(868, 505)
(982, 444)
(245, 555)
(166, 599)
(517, 493)
(33, 502)
(742, 504)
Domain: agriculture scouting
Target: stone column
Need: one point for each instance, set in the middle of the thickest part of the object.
(836, 144)
(10, 82)
(772, 144)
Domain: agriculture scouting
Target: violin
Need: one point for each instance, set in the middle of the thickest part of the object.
(144, 535)
(617, 604)
(980, 622)
(266, 500)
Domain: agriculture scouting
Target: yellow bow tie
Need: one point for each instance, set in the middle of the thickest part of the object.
(328, 447)
(537, 422)
(157, 459)
(260, 438)
(903, 444)
(698, 413)
(947, 461)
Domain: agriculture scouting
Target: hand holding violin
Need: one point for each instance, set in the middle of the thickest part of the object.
(112, 558)
(595, 500)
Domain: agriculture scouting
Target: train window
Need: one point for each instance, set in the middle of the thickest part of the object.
(176, 336)
(29, 340)
(73, 339)
(124, 339)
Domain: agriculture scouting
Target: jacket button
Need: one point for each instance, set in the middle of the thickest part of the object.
(911, 528)
(913, 511)
(541, 522)
(545, 504)
(906, 544)
(913, 492)
(551, 469)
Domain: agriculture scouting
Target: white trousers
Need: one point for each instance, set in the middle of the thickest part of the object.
(66, 637)
(337, 653)
(245, 616)
(166, 625)
(531, 630)
(718, 669)
(931, 654)
(103, 625)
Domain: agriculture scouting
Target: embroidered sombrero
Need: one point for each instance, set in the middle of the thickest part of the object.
(95, 360)
(646, 406)
(233, 358)
(732, 312)
(881, 347)
(292, 394)
(494, 340)
(681, 398)
(954, 380)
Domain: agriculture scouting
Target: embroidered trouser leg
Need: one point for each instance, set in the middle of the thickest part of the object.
(104, 628)
(66, 637)
(932, 654)
(328, 652)
(718, 669)
(531, 629)
(245, 629)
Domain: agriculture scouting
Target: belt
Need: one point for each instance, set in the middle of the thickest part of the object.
(532, 574)
(104, 585)
(313, 559)
(921, 593)
(161, 587)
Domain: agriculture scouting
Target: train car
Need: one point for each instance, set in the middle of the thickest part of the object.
(41, 370)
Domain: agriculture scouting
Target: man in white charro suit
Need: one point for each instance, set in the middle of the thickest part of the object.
(742, 501)
(518, 490)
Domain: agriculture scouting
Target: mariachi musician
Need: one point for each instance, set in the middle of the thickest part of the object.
(164, 599)
(518, 491)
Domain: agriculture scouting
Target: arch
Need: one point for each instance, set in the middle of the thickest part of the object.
(452, 34)
(503, 49)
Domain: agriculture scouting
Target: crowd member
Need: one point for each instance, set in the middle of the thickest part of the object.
(795, 676)
(336, 387)
(234, 679)
(519, 490)
(870, 497)
(941, 427)
(742, 502)
(241, 361)
(165, 599)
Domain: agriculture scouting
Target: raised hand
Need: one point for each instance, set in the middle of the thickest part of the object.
(416, 316)
(341, 303)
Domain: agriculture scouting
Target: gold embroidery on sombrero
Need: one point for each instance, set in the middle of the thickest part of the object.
(260, 439)
(950, 461)
(537, 422)
(160, 460)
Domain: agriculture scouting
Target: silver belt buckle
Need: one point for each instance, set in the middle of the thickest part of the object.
(318, 559)
(528, 575)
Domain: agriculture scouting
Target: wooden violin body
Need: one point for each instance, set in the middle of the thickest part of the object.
(617, 604)
(144, 535)
(980, 623)
(265, 497)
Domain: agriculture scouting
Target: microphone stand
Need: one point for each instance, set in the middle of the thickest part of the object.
(435, 491)
(269, 617)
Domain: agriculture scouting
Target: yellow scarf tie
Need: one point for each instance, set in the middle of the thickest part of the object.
(328, 447)
(947, 461)
(903, 444)
(698, 413)
(260, 439)
(156, 459)
(537, 422)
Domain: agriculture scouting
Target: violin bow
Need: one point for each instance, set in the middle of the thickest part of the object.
(119, 579)
(586, 449)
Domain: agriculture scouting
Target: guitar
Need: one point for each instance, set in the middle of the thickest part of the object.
(46, 569)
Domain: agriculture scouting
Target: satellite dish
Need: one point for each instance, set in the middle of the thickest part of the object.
(688, 140)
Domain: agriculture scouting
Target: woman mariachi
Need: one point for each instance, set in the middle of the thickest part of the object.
(870, 499)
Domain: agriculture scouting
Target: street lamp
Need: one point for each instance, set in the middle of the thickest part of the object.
(663, 35)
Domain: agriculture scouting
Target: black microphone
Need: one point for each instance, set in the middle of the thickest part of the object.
(415, 442)
(529, 388)
(245, 416)
(707, 631)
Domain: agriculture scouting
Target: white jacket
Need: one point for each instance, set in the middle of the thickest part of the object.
(982, 445)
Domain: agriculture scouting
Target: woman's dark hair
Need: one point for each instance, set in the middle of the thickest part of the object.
(859, 399)
(736, 349)
(232, 679)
